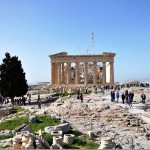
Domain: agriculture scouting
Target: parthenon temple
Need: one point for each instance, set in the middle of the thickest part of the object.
(80, 70)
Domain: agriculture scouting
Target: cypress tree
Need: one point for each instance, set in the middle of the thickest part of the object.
(12, 78)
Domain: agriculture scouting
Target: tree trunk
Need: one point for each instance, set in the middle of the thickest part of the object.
(12, 100)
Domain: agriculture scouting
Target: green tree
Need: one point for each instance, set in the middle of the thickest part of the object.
(13, 82)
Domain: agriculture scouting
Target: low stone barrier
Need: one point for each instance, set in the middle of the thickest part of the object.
(65, 127)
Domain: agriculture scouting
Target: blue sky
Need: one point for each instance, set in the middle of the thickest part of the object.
(33, 29)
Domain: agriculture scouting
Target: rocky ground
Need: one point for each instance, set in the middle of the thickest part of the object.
(129, 128)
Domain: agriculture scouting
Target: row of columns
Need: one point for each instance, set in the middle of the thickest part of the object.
(58, 75)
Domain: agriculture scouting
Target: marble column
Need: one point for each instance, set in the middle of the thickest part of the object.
(94, 72)
(68, 72)
(59, 73)
(85, 73)
(56, 75)
(62, 73)
(111, 73)
(104, 73)
(52, 73)
(100, 77)
(77, 73)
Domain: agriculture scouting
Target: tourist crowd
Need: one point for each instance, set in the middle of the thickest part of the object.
(127, 97)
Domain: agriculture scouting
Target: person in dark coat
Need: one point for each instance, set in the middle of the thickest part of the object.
(112, 96)
(86, 89)
(130, 99)
(81, 97)
(78, 94)
(143, 97)
(132, 96)
(123, 97)
(126, 95)
(39, 101)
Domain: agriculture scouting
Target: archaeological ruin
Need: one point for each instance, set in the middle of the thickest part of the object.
(78, 70)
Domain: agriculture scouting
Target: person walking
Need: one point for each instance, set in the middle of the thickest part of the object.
(123, 97)
(78, 94)
(132, 96)
(81, 97)
(111, 95)
(86, 89)
(130, 99)
(143, 97)
(126, 95)
(117, 96)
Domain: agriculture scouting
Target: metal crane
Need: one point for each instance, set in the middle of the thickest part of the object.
(90, 43)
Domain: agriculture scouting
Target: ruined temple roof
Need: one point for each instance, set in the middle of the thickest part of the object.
(61, 54)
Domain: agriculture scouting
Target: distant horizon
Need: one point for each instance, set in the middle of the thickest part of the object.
(83, 84)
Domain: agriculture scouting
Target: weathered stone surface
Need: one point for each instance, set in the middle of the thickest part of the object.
(65, 127)
(49, 129)
(90, 134)
(45, 143)
(32, 119)
(69, 138)
(55, 146)
(58, 78)
(26, 140)
(26, 128)
(56, 133)
(107, 143)
(57, 140)
(6, 111)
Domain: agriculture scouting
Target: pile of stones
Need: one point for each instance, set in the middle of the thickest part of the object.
(27, 140)
(59, 135)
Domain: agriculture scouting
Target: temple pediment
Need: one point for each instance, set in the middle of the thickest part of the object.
(59, 54)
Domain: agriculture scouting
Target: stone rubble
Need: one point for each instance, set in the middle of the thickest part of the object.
(27, 140)
(112, 123)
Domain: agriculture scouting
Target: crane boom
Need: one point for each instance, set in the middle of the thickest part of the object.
(90, 44)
